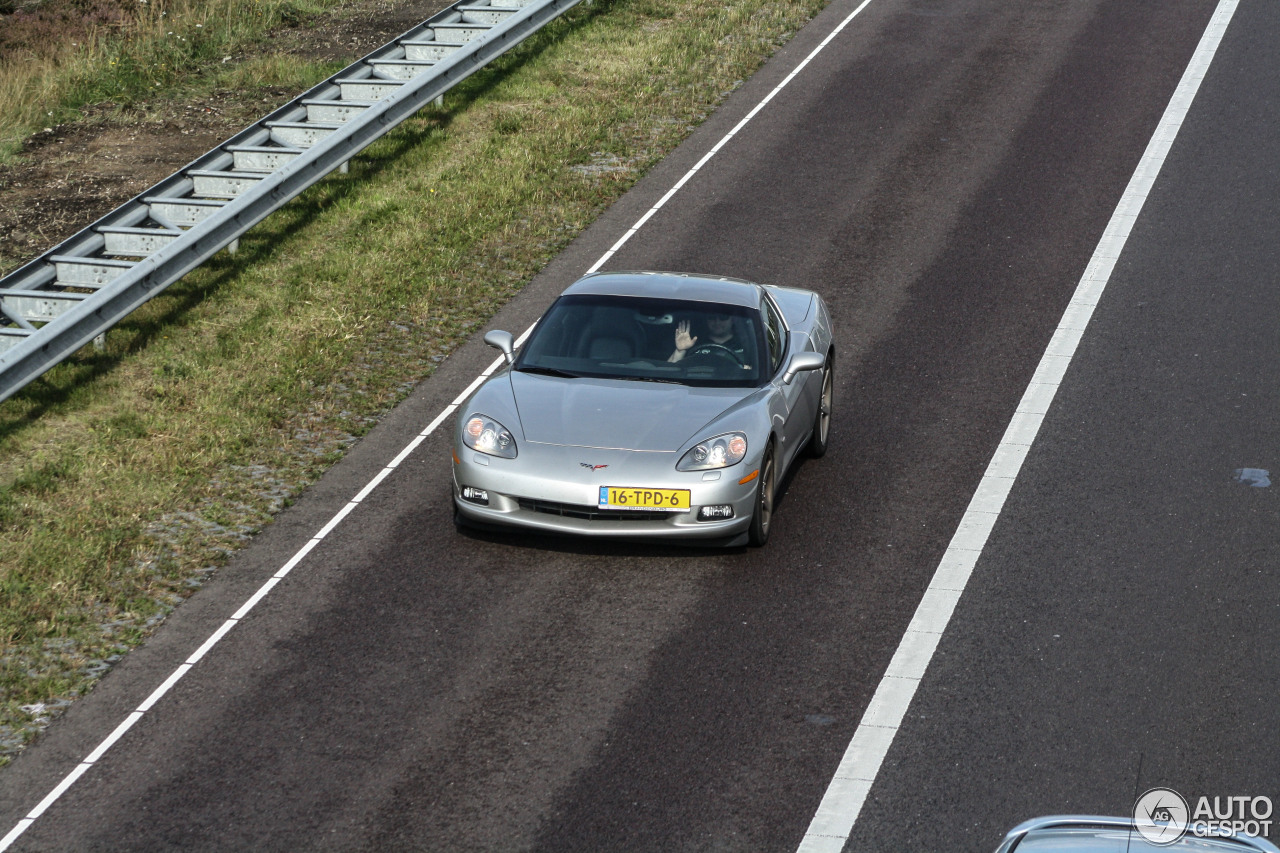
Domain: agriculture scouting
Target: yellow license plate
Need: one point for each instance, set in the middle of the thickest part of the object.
(616, 497)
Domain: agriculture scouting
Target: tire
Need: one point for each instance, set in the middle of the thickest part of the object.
(822, 418)
(762, 515)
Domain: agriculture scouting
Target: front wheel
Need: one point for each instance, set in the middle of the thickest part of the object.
(822, 420)
(758, 533)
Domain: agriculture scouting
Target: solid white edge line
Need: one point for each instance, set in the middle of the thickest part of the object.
(336, 520)
(124, 726)
(297, 557)
(466, 392)
(165, 687)
(838, 811)
(258, 596)
(524, 336)
(418, 439)
(213, 640)
(372, 484)
(58, 791)
(262, 591)
(18, 828)
(440, 418)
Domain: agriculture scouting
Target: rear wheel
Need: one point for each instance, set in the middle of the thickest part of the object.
(822, 420)
(762, 517)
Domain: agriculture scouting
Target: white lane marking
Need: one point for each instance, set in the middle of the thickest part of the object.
(466, 392)
(66, 783)
(372, 484)
(113, 737)
(838, 812)
(262, 591)
(213, 640)
(156, 694)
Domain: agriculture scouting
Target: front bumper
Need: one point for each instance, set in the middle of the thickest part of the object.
(522, 495)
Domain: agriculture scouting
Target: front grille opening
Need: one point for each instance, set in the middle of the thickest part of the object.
(591, 513)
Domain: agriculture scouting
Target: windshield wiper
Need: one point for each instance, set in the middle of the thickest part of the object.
(648, 379)
(549, 371)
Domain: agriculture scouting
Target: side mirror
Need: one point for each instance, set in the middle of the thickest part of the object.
(802, 361)
(504, 341)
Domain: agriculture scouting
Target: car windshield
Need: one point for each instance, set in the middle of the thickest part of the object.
(642, 339)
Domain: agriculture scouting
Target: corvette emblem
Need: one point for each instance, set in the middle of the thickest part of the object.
(592, 467)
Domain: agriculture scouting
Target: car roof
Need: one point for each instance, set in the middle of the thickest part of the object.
(670, 285)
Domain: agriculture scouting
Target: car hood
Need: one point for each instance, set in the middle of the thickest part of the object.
(616, 413)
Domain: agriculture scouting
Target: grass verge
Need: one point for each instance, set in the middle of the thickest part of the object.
(57, 60)
(127, 476)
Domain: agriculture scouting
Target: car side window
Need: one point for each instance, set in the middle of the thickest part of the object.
(775, 334)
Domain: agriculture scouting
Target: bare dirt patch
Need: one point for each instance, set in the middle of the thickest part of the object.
(70, 175)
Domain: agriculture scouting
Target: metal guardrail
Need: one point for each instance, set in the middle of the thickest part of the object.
(58, 303)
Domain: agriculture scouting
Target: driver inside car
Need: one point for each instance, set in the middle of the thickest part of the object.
(720, 332)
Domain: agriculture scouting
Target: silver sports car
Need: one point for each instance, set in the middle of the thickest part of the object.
(648, 405)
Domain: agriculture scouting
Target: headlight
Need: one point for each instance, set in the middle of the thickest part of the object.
(488, 436)
(719, 452)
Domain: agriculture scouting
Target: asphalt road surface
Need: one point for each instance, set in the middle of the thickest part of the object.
(942, 173)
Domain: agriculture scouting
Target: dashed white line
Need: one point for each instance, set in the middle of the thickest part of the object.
(262, 591)
(838, 812)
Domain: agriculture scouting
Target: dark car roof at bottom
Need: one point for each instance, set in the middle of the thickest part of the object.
(670, 285)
